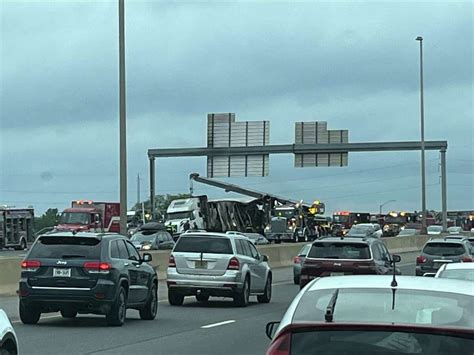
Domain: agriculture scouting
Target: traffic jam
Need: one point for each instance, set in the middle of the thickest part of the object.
(236, 177)
(83, 266)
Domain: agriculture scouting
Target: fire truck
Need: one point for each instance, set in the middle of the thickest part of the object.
(345, 219)
(396, 221)
(93, 216)
(16, 227)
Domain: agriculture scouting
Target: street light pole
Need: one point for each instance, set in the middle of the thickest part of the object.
(383, 204)
(422, 114)
(123, 126)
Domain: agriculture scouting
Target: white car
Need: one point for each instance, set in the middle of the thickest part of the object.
(460, 271)
(8, 339)
(434, 230)
(454, 230)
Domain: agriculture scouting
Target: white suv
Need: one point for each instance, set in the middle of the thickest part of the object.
(8, 339)
(215, 264)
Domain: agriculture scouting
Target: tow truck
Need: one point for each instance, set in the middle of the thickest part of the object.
(346, 219)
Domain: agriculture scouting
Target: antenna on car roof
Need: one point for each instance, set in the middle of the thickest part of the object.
(395, 259)
(330, 308)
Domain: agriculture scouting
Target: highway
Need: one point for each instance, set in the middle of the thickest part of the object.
(213, 328)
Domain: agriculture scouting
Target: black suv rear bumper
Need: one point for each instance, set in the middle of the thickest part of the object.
(98, 299)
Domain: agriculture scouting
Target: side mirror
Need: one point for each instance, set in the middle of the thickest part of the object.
(146, 257)
(264, 258)
(396, 258)
(271, 328)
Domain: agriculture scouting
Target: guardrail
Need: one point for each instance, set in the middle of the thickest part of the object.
(279, 255)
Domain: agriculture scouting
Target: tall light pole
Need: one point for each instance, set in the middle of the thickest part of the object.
(123, 125)
(422, 117)
(383, 204)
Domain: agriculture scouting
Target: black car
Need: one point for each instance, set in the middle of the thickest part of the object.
(86, 273)
(439, 251)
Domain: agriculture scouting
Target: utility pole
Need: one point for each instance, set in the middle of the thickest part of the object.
(123, 125)
(422, 117)
(138, 188)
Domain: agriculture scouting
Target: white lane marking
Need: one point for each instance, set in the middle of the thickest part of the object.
(218, 324)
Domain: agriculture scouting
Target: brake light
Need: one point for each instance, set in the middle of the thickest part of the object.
(296, 260)
(281, 346)
(234, 264)
(467, 259)
(30, 265)
(171, 261)
(420, 259)
(95, 267)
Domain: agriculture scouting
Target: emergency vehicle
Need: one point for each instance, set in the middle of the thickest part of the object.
(16, 227)
(91, 216)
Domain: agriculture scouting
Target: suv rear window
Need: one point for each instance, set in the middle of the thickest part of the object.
(444, 249)
(66, 247)
(197, 244)
(331, 250)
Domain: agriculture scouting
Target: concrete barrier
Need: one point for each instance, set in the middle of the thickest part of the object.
(279, 255)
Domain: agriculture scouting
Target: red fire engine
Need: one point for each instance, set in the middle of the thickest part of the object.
(91, 216)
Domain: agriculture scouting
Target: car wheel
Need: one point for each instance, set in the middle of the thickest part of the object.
(174, 298)
(202, 298)
(29, 314)
(296, 280)
(241, 299)
(68, 313)
(267, 296)
(151, 308)
(116, 316)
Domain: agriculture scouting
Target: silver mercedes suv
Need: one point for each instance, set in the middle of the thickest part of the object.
(206, 264)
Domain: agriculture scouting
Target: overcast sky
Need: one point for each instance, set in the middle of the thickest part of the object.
(354, 65)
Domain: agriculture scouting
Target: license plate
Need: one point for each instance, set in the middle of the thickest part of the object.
(61, 272)
(200, 264)
(337, 274)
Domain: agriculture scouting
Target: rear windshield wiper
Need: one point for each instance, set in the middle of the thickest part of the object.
(72, 256)
(331, 306)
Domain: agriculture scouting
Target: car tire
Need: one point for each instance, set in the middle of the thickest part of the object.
(296, 280)
(174, 298)
(202, 298)
(116, 316)
(267, 295)
(241, 299)
(29, 314)
(151, 308)
(67, 313)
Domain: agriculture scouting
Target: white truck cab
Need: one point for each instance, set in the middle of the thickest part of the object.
(182, 210)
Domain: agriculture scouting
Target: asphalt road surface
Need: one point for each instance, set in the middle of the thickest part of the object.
(213, 328)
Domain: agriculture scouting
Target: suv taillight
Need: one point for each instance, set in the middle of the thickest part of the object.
(281, 345)
(234, 264)
(467, 259)
(95, 267)
(420, 259)
(30, 265)
(296, 260)
(171, 261)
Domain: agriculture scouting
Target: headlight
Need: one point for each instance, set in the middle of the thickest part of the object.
(146, 247)
(267, 228)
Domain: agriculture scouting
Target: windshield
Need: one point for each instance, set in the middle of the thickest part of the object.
(139, 237)
(407, 232)
(357, 229)
(180, 215)
(376, 342)
(435, 229)
(288, 213)
(340, 219)
(444, 249)
(197, 244)
(339, 250)
(375, 306)
(460, 274)
(454, 229)
(75, 218)
(66, 247)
